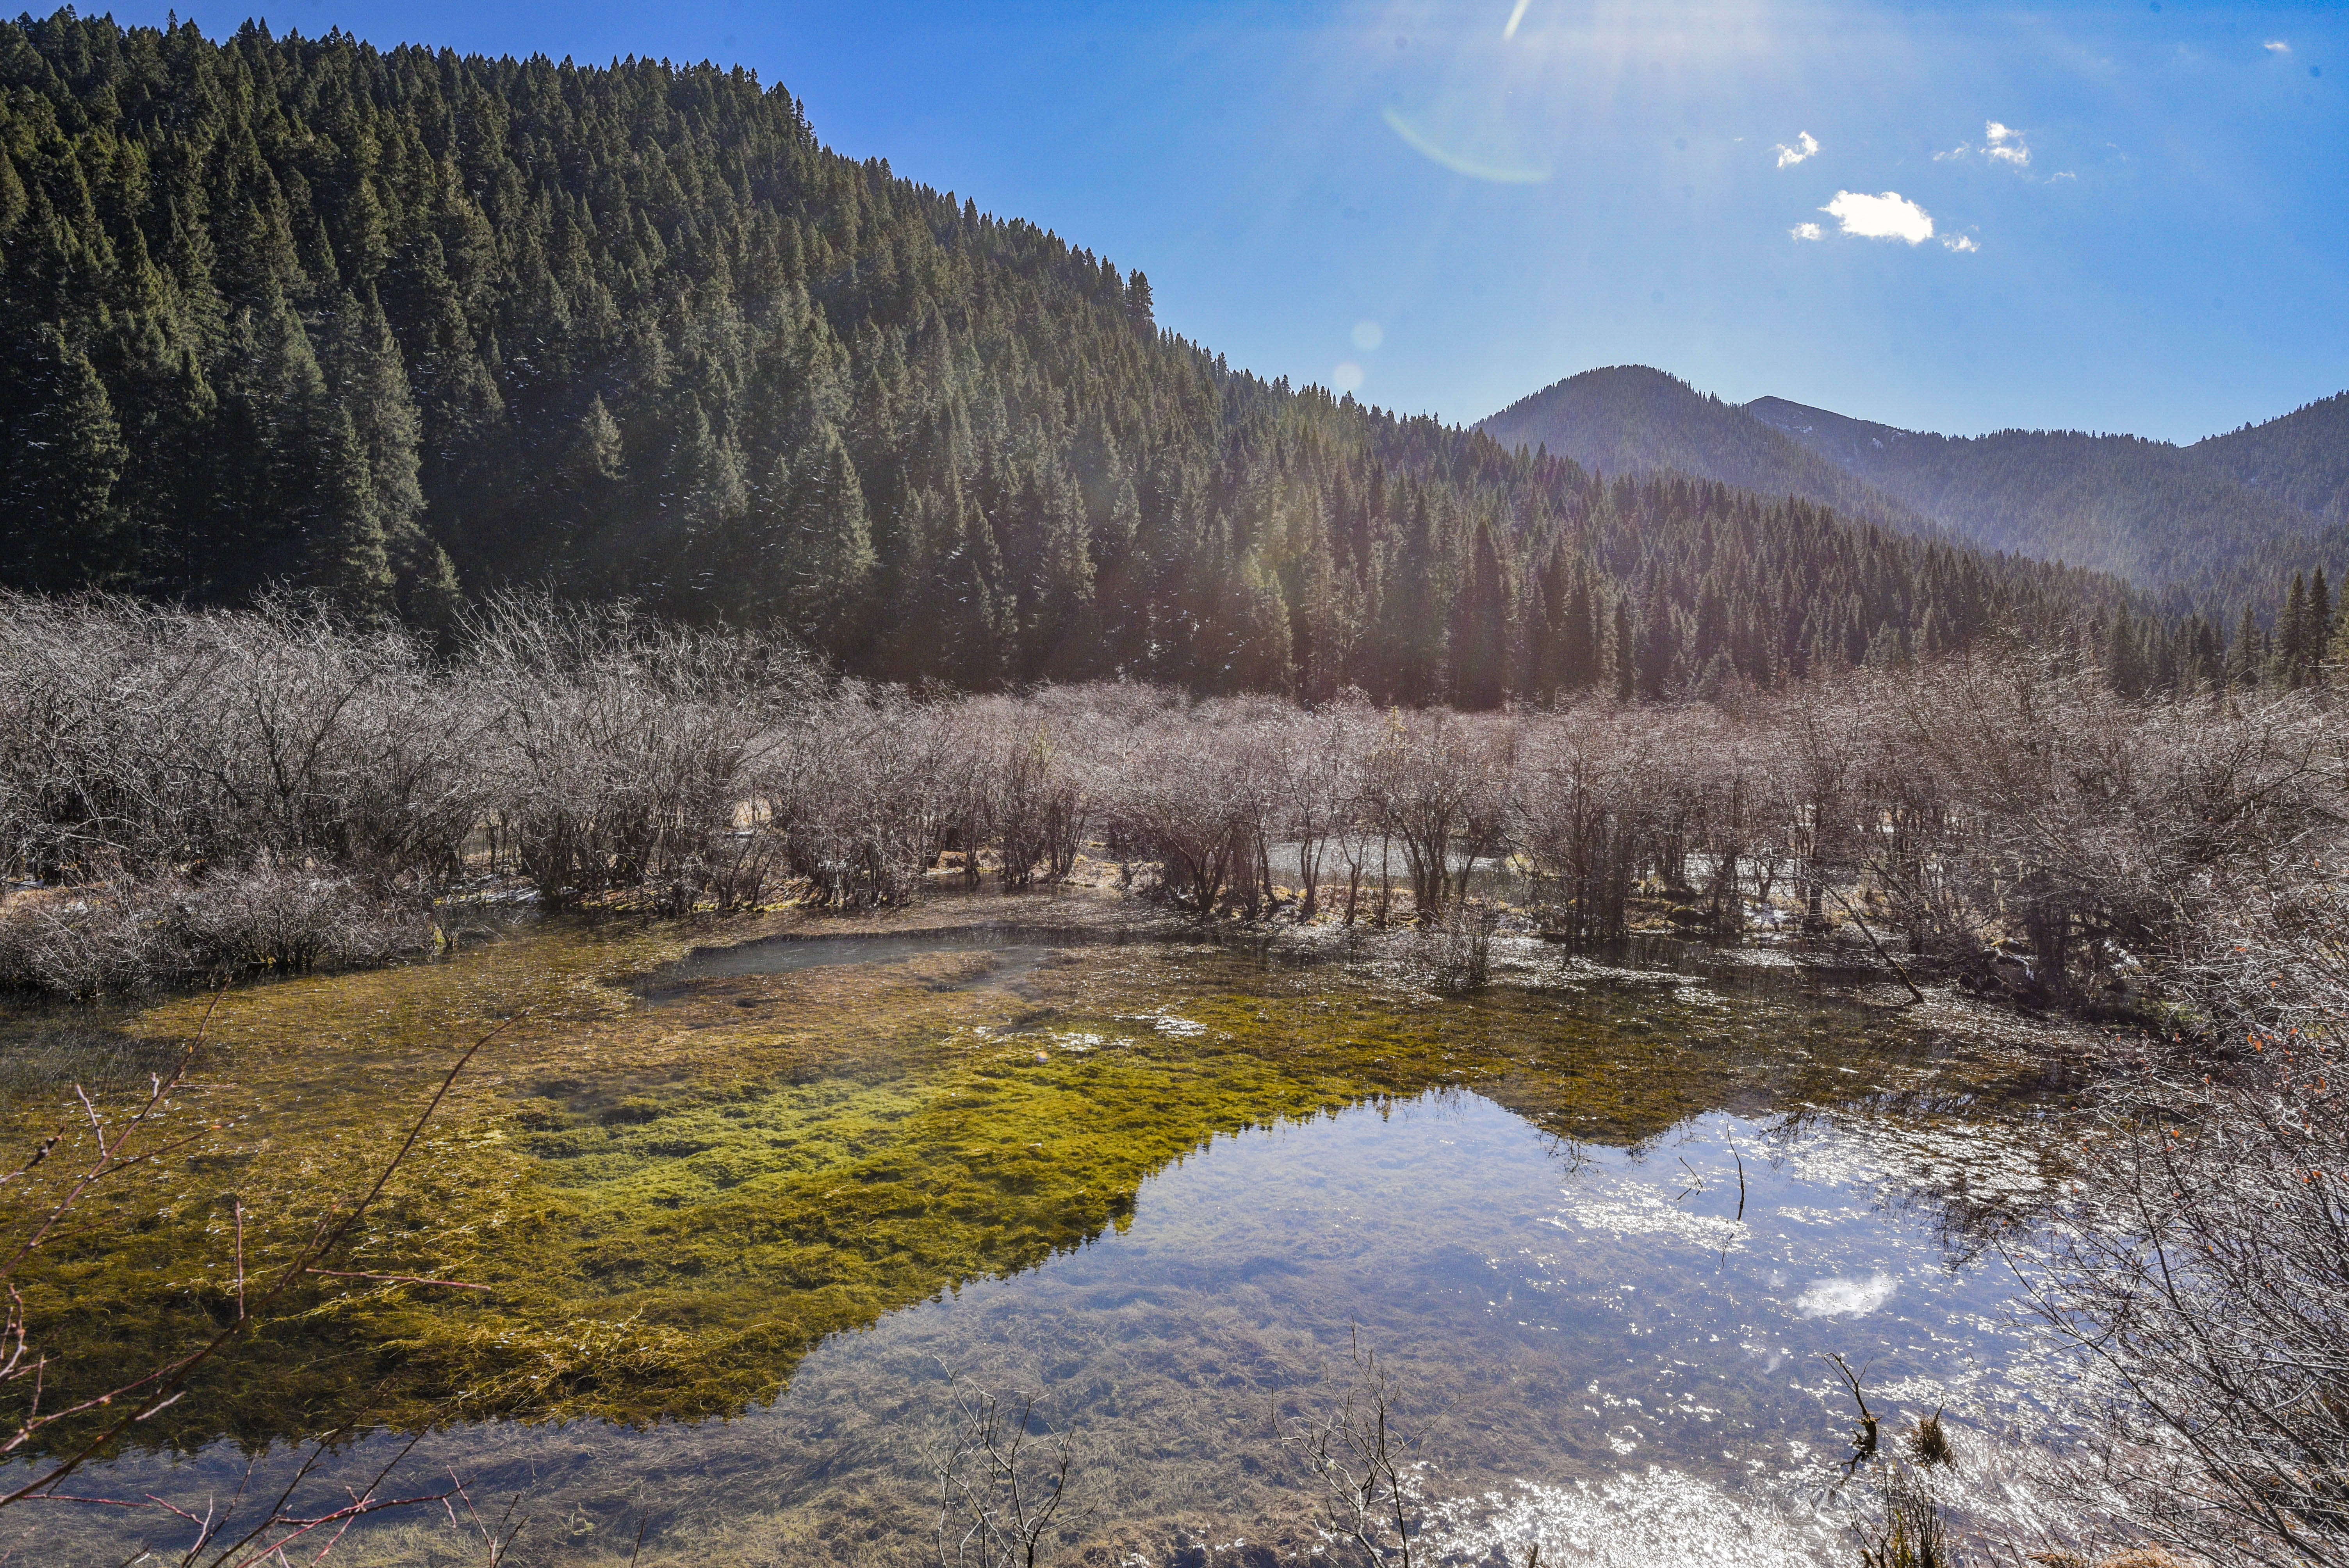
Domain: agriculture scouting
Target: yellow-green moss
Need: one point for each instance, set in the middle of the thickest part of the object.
(672, 1202)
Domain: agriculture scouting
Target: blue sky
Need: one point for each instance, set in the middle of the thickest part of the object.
(2138, 212)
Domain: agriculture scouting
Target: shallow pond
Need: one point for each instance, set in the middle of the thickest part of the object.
(741, 1207)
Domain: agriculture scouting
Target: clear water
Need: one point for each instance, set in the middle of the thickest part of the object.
(1607, 1311)
(1013, 952)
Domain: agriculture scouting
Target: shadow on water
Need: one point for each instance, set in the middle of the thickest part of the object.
(778, 1182)
(1015, 952)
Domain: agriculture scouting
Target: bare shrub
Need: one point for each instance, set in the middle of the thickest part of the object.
(134, 736)
(1007, 1479)
(2003, 811)
(1174, 803)
(2017, 797)
(1043, 794)
(2202, 1262)
(1577, 828)
(1317, 797)
(861, 791)
(1437, 783)
(1362, 1447)
(1905, 1527)
(622, 750)
(1463, 945)
(128, 933)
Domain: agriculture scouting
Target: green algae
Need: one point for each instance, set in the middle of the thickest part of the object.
(670, 1205)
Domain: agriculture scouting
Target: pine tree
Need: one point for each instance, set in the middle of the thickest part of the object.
(2244, 667)
(600, 454)
(1627, 655)
(2124, 663)
(1579, 640)
(2293, 649)
(63, 458)
(824, 542)
(343, 554)
(2317, 633)
(1660, 667)
(1480, 643)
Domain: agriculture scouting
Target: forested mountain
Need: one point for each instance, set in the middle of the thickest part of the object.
(2170, 519)
(1631, 419)
(2301, 458)
(401, 327)
(2209, 527)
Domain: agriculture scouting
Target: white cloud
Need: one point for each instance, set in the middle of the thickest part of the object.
(1806, 146)
(2005, 145)
(2276, 47)
(1960, 242)
(1846, 1297)
(1890, 216)
(1808, 232)
(1959, 151)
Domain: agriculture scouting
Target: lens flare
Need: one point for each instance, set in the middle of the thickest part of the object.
(1475, 169)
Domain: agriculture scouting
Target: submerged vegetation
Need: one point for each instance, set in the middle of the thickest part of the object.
(665, 1183)
(671, 1201)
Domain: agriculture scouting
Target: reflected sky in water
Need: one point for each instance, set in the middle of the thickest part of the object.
(1618, 1352)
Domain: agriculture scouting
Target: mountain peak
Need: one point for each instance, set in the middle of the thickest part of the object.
(1634, 418)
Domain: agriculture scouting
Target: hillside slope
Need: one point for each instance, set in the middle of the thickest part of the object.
(401, 329)
(2301, 458)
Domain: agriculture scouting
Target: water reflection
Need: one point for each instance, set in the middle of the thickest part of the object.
(1609, 1227)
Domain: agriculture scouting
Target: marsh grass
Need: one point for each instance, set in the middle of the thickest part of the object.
(1906, 1528)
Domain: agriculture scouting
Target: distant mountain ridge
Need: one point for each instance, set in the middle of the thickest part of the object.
(2302, 459)
(1630, 418)
(2158, 515)
(2218, 522)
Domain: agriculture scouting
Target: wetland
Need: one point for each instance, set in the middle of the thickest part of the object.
(726, 1211)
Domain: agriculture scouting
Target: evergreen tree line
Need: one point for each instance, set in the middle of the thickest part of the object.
(403, 327)
(2294, 648)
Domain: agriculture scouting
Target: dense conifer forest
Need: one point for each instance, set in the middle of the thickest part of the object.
(2301, 459)
(2208, 527)
(403, 327)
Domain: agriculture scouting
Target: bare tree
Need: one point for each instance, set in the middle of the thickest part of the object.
(2202, 1266)
(1435, 783)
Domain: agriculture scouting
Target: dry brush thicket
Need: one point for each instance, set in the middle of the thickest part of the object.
(2199, 1257)
(188, 794)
